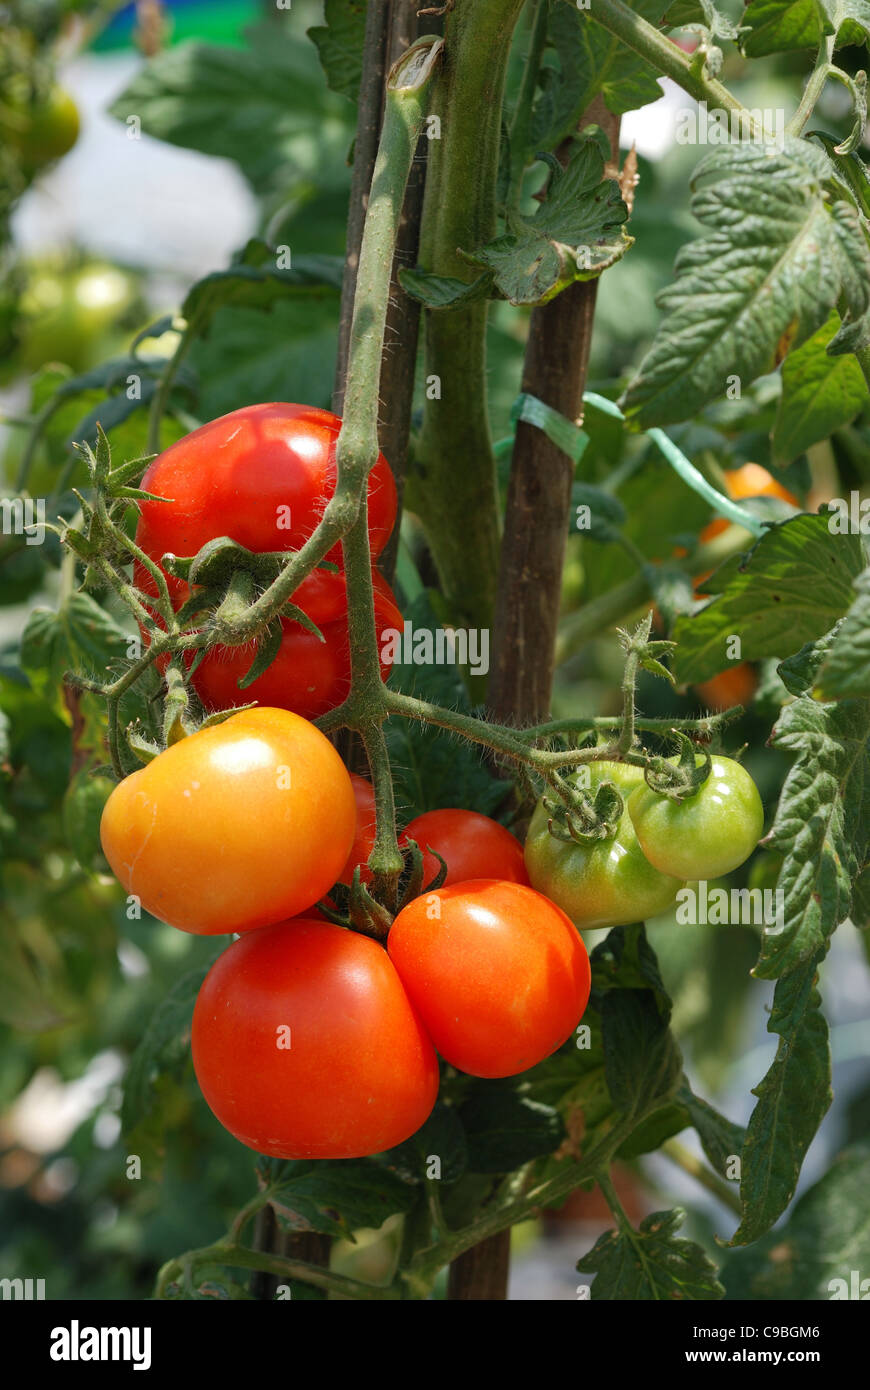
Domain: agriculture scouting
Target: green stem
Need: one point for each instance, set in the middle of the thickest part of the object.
(357, 446)
(685, 1159)
(664, 55)
(239, 1257)
(814, 88)
(454, 489)
(160, 399)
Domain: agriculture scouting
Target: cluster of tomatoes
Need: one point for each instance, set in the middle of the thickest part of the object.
(263, 475)
(310, 1039)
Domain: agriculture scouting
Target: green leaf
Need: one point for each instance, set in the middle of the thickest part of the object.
(575, 234)
(80, 635)
(819, 394)
(589, 62)
(793, 1099)
(781, 253)
(431, 767)
(441, 1137)
(161, 1057)
(505, 1130)
(845, 671)
(721, 1139)
(443, 291)
(340, 44)
(814, 1254)
(651, 1263)
(821, 826)
(790, 589)
(251, 356)
(333, 1196)
(263, 106)
(642, 1061)
(255, 281)
(781, 26)
(625, 960)
(798, 673)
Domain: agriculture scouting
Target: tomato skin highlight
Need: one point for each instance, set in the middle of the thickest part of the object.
(359, 1075)
(500, 977)
(709, 833)
(234, 827)
(261, 475)
(471, 845)
(607, 883)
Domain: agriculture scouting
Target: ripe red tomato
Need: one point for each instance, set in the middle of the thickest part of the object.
(471, 845)
(261, 475)
(308, 676)
(305, 1044)
(234, 827)
(496, 971)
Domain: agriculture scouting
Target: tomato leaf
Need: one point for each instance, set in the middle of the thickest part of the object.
(333, 1196)
(651, 1262)
(845, 670)
(161, 1057)
(642, 1060)
(432, 768)
(232, 102)
(339, 44)
(575, 234)
(721, 1139)
(781, 253)
(790, 589)
(444, 291)
(781, 26)
(442, 1137)
(819, 394)
(813, 1255)
(793, 1099)
(505, 1130)
(822, 826)
(588, 62)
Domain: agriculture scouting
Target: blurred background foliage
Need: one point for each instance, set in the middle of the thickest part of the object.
(80, 979)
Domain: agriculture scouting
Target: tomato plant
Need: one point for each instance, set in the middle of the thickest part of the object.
(445, 248)
(305, 1044)
(233, 827)
(496, 972)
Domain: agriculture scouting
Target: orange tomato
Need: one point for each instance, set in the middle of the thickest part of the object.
(234, 827)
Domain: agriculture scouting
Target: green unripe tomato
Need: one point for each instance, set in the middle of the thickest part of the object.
(605, 883)
(39, 130)
(708, 834)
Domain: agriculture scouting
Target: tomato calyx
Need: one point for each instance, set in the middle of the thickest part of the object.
(576, 815)
(683, 778)
(356, 907)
